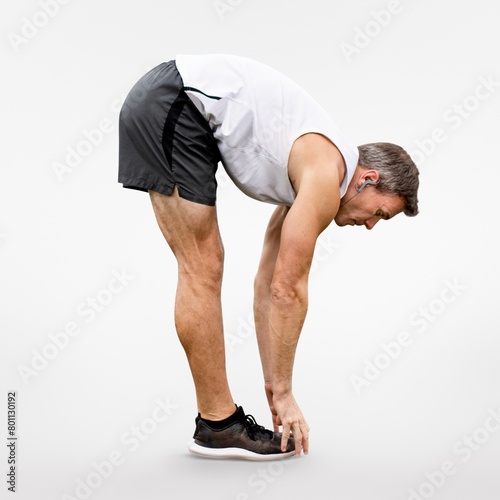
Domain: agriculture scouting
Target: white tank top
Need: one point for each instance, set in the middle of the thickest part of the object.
(256, 114)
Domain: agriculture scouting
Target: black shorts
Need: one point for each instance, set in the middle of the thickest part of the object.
(164, 141)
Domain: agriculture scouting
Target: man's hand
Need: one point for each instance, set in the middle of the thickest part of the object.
(293, 421)
(286, 413)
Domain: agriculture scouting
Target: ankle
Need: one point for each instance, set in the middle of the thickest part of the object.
(219, 413)
(222, 423)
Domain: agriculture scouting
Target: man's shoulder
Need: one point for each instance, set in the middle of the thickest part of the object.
(315, 154)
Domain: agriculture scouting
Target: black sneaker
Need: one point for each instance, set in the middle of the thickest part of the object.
(242, 439)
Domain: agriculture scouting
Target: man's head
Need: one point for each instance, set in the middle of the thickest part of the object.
(385, 183)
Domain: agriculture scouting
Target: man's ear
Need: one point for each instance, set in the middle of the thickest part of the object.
(370, 177)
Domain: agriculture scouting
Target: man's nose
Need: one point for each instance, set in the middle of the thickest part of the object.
(370, 223)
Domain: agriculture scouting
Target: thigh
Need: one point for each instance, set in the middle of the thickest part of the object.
(191, 230)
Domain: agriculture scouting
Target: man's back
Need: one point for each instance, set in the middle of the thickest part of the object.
(256, 114)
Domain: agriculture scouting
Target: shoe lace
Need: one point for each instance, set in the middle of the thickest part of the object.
(253, 427)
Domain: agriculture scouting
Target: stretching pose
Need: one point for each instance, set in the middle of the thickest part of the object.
(279, 146)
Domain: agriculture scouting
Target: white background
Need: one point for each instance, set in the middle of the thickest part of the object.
(62, 237)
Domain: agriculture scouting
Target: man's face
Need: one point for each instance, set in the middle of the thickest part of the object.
(367, 208)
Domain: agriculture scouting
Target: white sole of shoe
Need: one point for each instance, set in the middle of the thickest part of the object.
(238, 453)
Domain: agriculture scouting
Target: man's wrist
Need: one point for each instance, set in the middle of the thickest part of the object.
(282, 389)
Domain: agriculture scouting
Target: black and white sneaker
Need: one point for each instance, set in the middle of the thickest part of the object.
(243, 439)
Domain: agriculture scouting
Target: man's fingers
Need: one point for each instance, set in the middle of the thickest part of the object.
(297, 436)
(284, 437)
(305, 443)
(301, 438)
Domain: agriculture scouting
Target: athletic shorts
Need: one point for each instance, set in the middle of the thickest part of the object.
(164, 141)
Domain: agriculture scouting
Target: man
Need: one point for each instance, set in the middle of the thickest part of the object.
(278, 146)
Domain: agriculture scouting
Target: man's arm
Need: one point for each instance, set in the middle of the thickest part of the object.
(315, 174)
(262, 293)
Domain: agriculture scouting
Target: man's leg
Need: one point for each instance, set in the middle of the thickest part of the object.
(192, 232)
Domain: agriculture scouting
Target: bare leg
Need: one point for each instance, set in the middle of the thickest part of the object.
(192, 232)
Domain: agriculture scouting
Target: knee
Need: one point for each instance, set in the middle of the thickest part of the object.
(206, 267)
(213, 266)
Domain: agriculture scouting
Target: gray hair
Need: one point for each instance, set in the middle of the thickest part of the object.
(398, 173)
